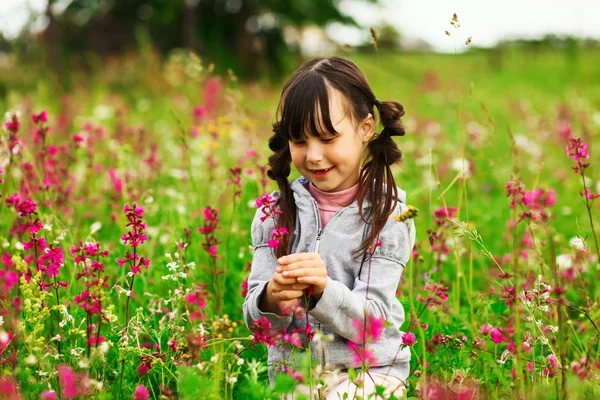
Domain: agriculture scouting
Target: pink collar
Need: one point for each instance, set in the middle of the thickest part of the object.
(332, 201)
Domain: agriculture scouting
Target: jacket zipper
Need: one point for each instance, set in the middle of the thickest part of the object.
(319, 234)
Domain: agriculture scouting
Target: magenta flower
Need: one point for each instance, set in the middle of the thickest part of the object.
(41, 117)
(48, 395)
(262, 332)
(208, 228)
(552, 364)
(370, 331)
(408, 339)
(136, 236)
(361, 354)
(267, 204)
(276, 237)
(438, 296)
(196, 302)
(67, 381)
(496, 336)
(577, 150)
(141, 393)
(444, 213)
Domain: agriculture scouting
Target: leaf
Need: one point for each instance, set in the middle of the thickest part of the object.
(284, 383)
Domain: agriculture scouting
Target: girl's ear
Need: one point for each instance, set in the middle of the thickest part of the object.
(367, 128)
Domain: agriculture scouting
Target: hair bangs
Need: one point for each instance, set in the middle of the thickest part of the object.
(305, 109)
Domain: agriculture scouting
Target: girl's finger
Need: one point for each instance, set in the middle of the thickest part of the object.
(312, 280)
(301, 265)
(305, 272)
(296, 257)
(280, 280)
(288, 294)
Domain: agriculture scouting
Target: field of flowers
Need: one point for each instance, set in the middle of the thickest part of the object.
(126, 206)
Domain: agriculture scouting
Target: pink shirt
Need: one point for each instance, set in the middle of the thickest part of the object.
(330, 202)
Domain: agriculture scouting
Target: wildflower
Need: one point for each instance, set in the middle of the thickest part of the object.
(9, 388)
(277, 236)
(244, 291)
(141, 393)
(410, 213)
(438, 296)
(267, 204)
(41, 117)
(211, 220)
(408, 339)
(362, 355)
(444, 213)
(197, 302)
(262, 332)
(496, 336)
(485, 329)
(552, 368)
(515, 190)
(539, 198)
(136, 235)
(67, 381)
(577, 150)
(48, 395)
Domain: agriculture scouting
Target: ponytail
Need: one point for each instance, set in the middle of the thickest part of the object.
(377, 172)
(280, 168)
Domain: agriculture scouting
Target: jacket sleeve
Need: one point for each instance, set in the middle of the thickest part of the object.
(261, 272)
(375, 288)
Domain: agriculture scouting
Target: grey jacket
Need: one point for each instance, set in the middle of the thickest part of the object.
(345, 296)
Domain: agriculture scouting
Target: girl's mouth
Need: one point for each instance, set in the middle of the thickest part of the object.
(321, 173)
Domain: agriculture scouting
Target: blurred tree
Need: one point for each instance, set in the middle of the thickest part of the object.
(245, 35)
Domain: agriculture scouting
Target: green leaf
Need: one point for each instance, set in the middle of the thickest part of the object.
(284, 383)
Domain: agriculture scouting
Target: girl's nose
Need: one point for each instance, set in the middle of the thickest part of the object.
(314, 153)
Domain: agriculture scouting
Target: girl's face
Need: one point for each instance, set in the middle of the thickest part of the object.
(332, 162)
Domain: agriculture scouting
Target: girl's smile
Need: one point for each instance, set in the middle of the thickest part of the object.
(322, 173)
(331, 160)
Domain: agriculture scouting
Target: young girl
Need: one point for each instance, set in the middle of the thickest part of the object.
(344, 244)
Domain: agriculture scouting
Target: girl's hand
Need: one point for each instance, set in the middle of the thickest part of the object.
(285, 293)
(305, 268)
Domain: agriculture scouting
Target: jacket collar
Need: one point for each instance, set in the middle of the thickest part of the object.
(298, 187)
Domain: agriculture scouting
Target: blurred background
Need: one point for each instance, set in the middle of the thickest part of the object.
(267, 39)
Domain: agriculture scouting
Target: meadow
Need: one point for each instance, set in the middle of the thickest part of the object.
(126, 206)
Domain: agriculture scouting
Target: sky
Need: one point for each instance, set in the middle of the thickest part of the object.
(485, 21)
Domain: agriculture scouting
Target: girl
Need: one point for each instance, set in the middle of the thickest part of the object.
(344, 245)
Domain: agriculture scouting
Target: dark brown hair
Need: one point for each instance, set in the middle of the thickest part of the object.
(302, 97)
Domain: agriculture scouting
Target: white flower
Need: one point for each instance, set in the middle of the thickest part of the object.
(240, 361)
(232, 379)
(577, 243)
(462, 165)
(214, 358)
(31, 359)
(564, 261)
(96, 226)
(1, 320)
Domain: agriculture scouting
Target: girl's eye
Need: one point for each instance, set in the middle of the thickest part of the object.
(299, 143)
(327, 140)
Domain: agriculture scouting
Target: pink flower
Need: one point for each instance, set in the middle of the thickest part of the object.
(361, 354)
(41, 117)
(577, 150)
(9, 389)
(141, 393)
(262, 332)
(48, 395)
(66, 379)
(552, 364)
(370, 331)
(277, 236)
(485, 329)
(496, 336)
(408, 339)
